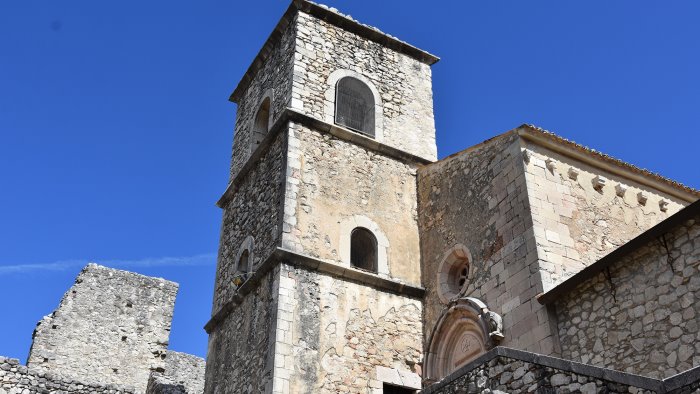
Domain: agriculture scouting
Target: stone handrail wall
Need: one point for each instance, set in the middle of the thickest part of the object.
(16, 378)
(510, 370)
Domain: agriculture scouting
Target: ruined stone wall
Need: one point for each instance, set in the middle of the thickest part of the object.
(16, 379)
(403, 84)
(335, 186)
(646, 318)
(274, 78)
(112, 326)
(477, 198)
(337, 336)
(576, 224)
(530, 373)
(240, 351)
(186, 370)
(253, 210)
(159, 384)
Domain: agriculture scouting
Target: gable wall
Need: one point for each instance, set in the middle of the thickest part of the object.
(574, 224)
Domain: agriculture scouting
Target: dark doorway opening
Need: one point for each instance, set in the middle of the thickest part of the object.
(392, 389)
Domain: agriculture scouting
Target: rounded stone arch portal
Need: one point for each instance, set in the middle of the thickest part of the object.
(461, 334)
(330, 97)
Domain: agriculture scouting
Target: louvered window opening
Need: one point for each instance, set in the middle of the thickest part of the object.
(354, 106)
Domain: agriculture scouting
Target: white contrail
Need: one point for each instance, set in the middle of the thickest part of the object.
(62, 265)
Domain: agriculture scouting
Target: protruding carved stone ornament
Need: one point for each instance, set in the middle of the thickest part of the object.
(663, 205)
(526, 156)
(642, 198)
(551, 165)
(620, 190)
(598, 182)
(495, 322)
(573, 173)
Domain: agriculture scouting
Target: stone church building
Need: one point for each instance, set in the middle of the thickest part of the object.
(352, 260)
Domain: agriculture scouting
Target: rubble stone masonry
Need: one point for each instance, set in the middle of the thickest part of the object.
(581, 213)
(253, 210)
(19, 379)
(325, 52)
(504, 370)
(240, 347)
(112, 326)
(643, 314)
(337, 336)
(273, 80)
(334, 186)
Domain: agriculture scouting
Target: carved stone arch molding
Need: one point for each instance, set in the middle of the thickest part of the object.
(329, 110)
(464, 331)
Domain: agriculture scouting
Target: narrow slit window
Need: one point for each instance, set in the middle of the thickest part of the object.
(363, 249)
(354, 106)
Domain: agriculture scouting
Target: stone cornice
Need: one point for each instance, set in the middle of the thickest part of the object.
(558, 144)
(292, 115)
(285, 256)
(337, 19)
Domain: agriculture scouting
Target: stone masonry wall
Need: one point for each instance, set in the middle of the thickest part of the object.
(509, 375)
(477, 198)
(19, 379)
(333, 185)
(336, 336)
(239, 355)
(275, 78)
(112, 326)
(254, 210)
(646, 318)
(186, 370)
(403, 83)
(159, 384)
(575, 224)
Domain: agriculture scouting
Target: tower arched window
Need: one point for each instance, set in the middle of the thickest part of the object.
(262, 123)
(243, 262)
(354, 106)
(363, 249)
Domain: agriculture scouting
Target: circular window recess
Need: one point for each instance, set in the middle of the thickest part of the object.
(454, 273)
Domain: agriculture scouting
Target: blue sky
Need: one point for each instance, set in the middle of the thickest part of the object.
(115, 129)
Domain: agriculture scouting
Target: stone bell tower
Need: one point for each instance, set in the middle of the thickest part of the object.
(318, 284)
